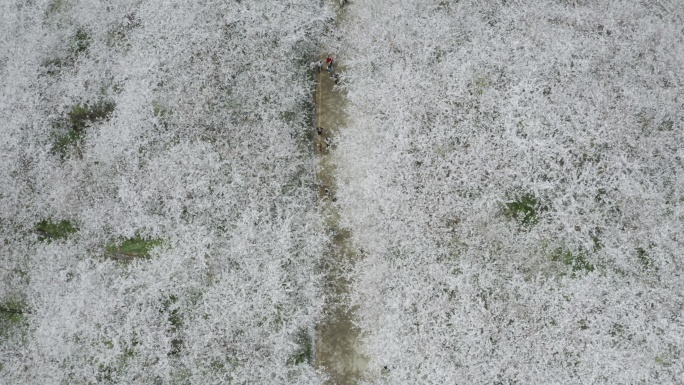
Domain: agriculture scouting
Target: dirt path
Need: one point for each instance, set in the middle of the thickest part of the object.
(338, 344)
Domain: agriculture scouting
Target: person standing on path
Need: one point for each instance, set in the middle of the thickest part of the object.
(318, 65)
(329, 63)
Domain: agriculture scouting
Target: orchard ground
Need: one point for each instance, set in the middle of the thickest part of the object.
(512, 171)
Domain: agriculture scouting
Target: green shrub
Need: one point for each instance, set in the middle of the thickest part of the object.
(49, 230)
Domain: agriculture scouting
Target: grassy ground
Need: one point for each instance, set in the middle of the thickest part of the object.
(134, 247)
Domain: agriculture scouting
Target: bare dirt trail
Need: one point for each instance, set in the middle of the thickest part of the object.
(338, 342)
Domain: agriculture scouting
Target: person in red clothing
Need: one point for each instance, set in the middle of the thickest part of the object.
(329, 63)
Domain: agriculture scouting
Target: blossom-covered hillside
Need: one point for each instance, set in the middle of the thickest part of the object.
(157, 202)
(510, 175)
(521, 207)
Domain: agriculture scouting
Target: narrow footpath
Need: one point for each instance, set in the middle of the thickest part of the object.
(338, 342)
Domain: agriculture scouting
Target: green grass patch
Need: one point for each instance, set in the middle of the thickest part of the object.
(64, 143)
(583, 324)
(78, 45)
(576, 261)
(163, 114)
(13, 319)
(643, 257)
(287, 116)
(54, 66)
(48, 230)
(222, 365)
(12, 312)
(445, 149)
(70, 130)
(662, 359)
(159, 110)
(526, 209)
(55, 7)
(181, 376)
(134, 247)
(81, 115)
(80, 42)
(481, 84)
(118, 36)
(304, 352)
